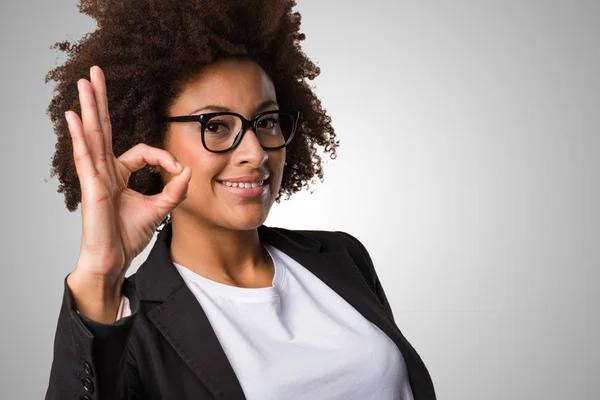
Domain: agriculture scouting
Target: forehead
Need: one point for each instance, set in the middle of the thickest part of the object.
(237, 84)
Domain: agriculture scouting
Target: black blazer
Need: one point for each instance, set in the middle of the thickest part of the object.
(167, 348)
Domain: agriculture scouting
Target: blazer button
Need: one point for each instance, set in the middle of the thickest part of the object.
(88, 369)
(88, 385)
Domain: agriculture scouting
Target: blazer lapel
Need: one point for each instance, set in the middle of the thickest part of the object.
(183, 323)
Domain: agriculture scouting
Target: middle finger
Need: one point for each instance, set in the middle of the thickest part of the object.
(98, 82)
(91, 125)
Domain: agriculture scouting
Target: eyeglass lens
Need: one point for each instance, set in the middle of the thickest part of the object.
(272, 130)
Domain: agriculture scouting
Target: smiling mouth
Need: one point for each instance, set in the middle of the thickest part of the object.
(245, 185)
(248, 190)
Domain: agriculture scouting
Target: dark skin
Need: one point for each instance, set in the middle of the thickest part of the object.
(103, 158)
(215, 231)
(128, 37)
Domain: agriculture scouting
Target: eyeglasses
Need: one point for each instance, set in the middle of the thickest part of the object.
(223, 131)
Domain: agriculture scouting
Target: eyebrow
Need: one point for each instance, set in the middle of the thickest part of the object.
(263, 105)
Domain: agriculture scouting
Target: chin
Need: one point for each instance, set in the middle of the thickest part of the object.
(245, 226)
(245, 221)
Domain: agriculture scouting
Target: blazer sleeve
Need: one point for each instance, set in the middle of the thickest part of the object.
(361, 257)
(92, 360)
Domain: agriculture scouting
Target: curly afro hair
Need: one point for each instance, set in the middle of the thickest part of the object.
(148, 49)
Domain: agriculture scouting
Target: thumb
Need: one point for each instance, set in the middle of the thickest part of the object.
(174, 192)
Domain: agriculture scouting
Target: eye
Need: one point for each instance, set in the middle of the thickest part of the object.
(268, 123)
(216, 127)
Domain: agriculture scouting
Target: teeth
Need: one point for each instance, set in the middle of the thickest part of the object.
(243, 184)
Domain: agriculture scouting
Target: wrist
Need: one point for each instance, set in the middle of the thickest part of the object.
(96, 298)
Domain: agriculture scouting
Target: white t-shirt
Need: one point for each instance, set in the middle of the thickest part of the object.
(298, 339)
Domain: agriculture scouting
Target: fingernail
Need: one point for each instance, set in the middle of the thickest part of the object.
(178, 166)
(92, 72)
(79, 85)
(68, 117)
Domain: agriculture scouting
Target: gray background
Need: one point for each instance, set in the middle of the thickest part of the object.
(471, 176)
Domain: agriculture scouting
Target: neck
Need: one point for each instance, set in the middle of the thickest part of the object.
(229, 256)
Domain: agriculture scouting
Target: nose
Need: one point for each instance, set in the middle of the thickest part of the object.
(249, 150)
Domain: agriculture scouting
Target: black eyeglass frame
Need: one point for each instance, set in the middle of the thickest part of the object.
(204, 118)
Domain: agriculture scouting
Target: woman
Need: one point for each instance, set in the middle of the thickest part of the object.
(213, 96)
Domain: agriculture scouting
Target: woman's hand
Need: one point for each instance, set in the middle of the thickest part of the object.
(118, 223)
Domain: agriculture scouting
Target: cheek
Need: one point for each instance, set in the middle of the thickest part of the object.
(207, 170)
(281, 158)
(206, 166)
(276, 162)
(277, 159)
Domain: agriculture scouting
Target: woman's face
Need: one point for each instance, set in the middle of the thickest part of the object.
(240, 86)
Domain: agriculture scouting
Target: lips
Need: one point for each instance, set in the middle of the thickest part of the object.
(240, 182)
(246, 190)
(245, 179)
(246, 185)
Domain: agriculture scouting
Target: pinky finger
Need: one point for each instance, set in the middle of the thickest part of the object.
(81, 154)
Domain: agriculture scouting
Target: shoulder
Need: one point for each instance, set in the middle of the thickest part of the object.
(334, 241)
(344, 242)
(330, 240)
